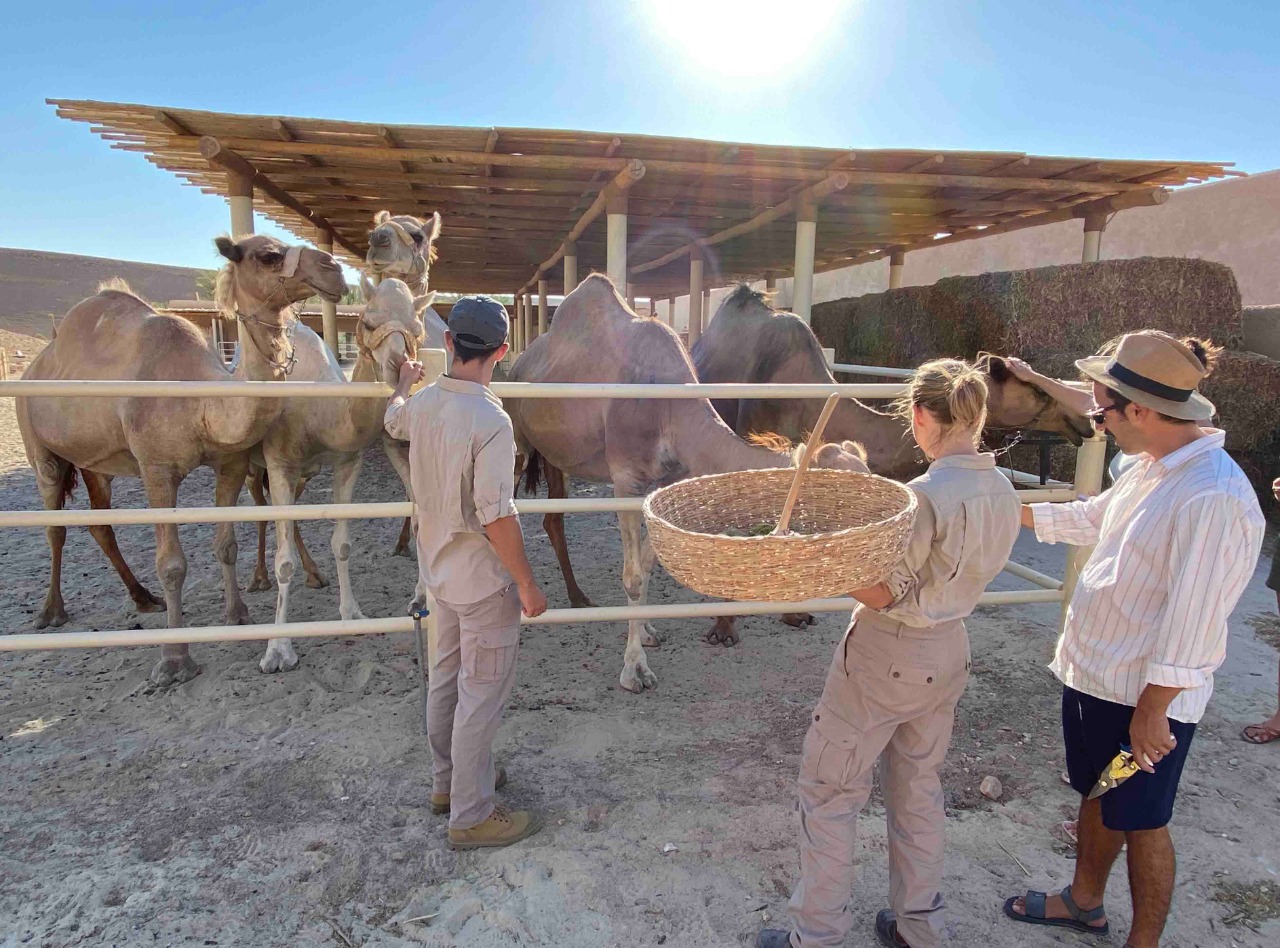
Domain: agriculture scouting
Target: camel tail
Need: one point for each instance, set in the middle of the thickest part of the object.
(68, 483)
(533, 473)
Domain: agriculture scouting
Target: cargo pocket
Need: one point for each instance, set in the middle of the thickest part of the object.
(913, 674)
(829, 749)
(494, 652)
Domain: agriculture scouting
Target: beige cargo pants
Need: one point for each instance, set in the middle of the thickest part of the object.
(891, 695)
(470, 682)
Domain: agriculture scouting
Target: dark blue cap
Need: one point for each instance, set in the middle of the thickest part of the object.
(479, 322)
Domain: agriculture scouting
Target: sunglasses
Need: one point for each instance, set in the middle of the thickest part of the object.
(1099, 416)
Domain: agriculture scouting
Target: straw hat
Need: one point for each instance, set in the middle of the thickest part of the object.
(1156, 371)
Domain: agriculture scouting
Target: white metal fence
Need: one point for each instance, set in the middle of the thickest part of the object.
(1088, 479)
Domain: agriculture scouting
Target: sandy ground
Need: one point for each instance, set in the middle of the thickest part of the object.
(251, 810)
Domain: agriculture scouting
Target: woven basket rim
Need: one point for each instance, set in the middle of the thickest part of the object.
(908, 509)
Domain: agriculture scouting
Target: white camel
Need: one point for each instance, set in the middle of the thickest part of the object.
(311, 433)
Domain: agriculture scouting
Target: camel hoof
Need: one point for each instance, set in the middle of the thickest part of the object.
(51, 619)
(261, 582)
(173, 671)
(649, 638)
(402, 551)
(316, 581)
(351, 615)
(581, 601)
(278, 660)
(238, 615)
(798, 620)
(636, 680)
(145, 602)
(723, 632)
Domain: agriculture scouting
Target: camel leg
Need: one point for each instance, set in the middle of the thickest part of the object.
(345, 473)
(724, 631)
(176, 664)
(637, 564)
(315, 578)
(51, 477)
(553, 523)
(261, 578)
(230, 480)
(99, 488)
(280, 655)
(397, 453)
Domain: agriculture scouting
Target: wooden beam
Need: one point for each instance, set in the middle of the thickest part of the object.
(621, 183)
(817, 192)
(171, 123)
(214, 152)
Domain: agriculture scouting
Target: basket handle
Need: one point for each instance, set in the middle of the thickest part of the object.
(815, 439)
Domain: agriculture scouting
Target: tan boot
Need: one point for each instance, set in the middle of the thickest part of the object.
(502, 828)
(440, 801)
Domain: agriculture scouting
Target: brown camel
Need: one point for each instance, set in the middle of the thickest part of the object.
(749, 342)
(636, 445)
(115, 335)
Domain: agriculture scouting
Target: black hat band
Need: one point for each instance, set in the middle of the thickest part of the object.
(1150, 386)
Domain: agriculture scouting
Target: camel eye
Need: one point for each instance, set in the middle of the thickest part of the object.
(270, 257)
(417, 236)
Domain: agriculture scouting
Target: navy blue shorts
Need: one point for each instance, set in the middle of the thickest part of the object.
(1093, 730)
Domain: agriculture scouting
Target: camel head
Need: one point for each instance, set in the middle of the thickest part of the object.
(845, 456)
(1016, 405)
(403, 246)
(390, 328)
(264, 274)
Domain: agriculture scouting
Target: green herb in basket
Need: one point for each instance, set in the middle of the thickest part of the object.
(762, 529)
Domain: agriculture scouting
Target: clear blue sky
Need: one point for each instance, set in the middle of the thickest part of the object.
(1131, 80)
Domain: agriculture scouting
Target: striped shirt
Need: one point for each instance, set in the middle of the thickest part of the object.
(1176, 540)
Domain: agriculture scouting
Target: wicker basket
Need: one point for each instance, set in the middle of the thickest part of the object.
(851, 530)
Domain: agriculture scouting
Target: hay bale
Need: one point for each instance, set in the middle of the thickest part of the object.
(1245, 388)
(1048, 316)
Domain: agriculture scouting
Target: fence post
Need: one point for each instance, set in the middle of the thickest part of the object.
(4, 365)
(1091, 462)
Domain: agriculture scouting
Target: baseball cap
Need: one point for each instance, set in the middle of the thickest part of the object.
(479, 322)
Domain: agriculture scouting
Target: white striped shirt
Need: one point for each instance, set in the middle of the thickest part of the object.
(1176, 543)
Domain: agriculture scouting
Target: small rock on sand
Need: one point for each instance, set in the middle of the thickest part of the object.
(991, 788)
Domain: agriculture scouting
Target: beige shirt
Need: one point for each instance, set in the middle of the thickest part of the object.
(965, 527)
(462, 459)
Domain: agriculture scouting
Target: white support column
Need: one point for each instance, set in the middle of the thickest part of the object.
(897, 259)
(514, 319)
(328, 310)
(631, 296)
(1091, 462)
(1094, 224)
(806, 243)
(695, 296)
(241, 201)
(616, 260)
(543, 313)
(671, 311)
(530, 326)
(570, 266)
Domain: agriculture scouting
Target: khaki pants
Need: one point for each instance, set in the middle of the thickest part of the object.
(470, 682)
(891, 695)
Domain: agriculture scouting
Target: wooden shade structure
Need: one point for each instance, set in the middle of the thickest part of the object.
(516, 202)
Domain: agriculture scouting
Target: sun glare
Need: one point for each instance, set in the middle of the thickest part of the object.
(745, 38)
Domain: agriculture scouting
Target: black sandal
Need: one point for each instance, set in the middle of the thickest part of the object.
(1034, 914)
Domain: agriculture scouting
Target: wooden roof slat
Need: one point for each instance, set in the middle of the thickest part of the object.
(513, 195)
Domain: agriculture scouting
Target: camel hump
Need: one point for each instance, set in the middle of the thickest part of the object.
(118, 285)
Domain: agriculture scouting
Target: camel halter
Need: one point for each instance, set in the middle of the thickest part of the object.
(368, 339)
(418, 270)
(292, 257)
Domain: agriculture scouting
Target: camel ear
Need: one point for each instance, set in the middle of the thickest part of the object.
(229, 249)
(433, 226)
(366, 288)
(381, 218)
(997, 368)
(420, 303)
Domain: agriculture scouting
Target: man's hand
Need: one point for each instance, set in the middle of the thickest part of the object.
(1150, 738)
(410, 372)
(1021, 370)
(532, 602)
(1275, 488)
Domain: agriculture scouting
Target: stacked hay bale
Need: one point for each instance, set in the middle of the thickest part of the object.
(1053, 315)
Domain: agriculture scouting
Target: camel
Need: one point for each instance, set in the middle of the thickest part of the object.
(310, 433)
(633, 444)
(403, 246)
(116, 335)
(750, 342)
